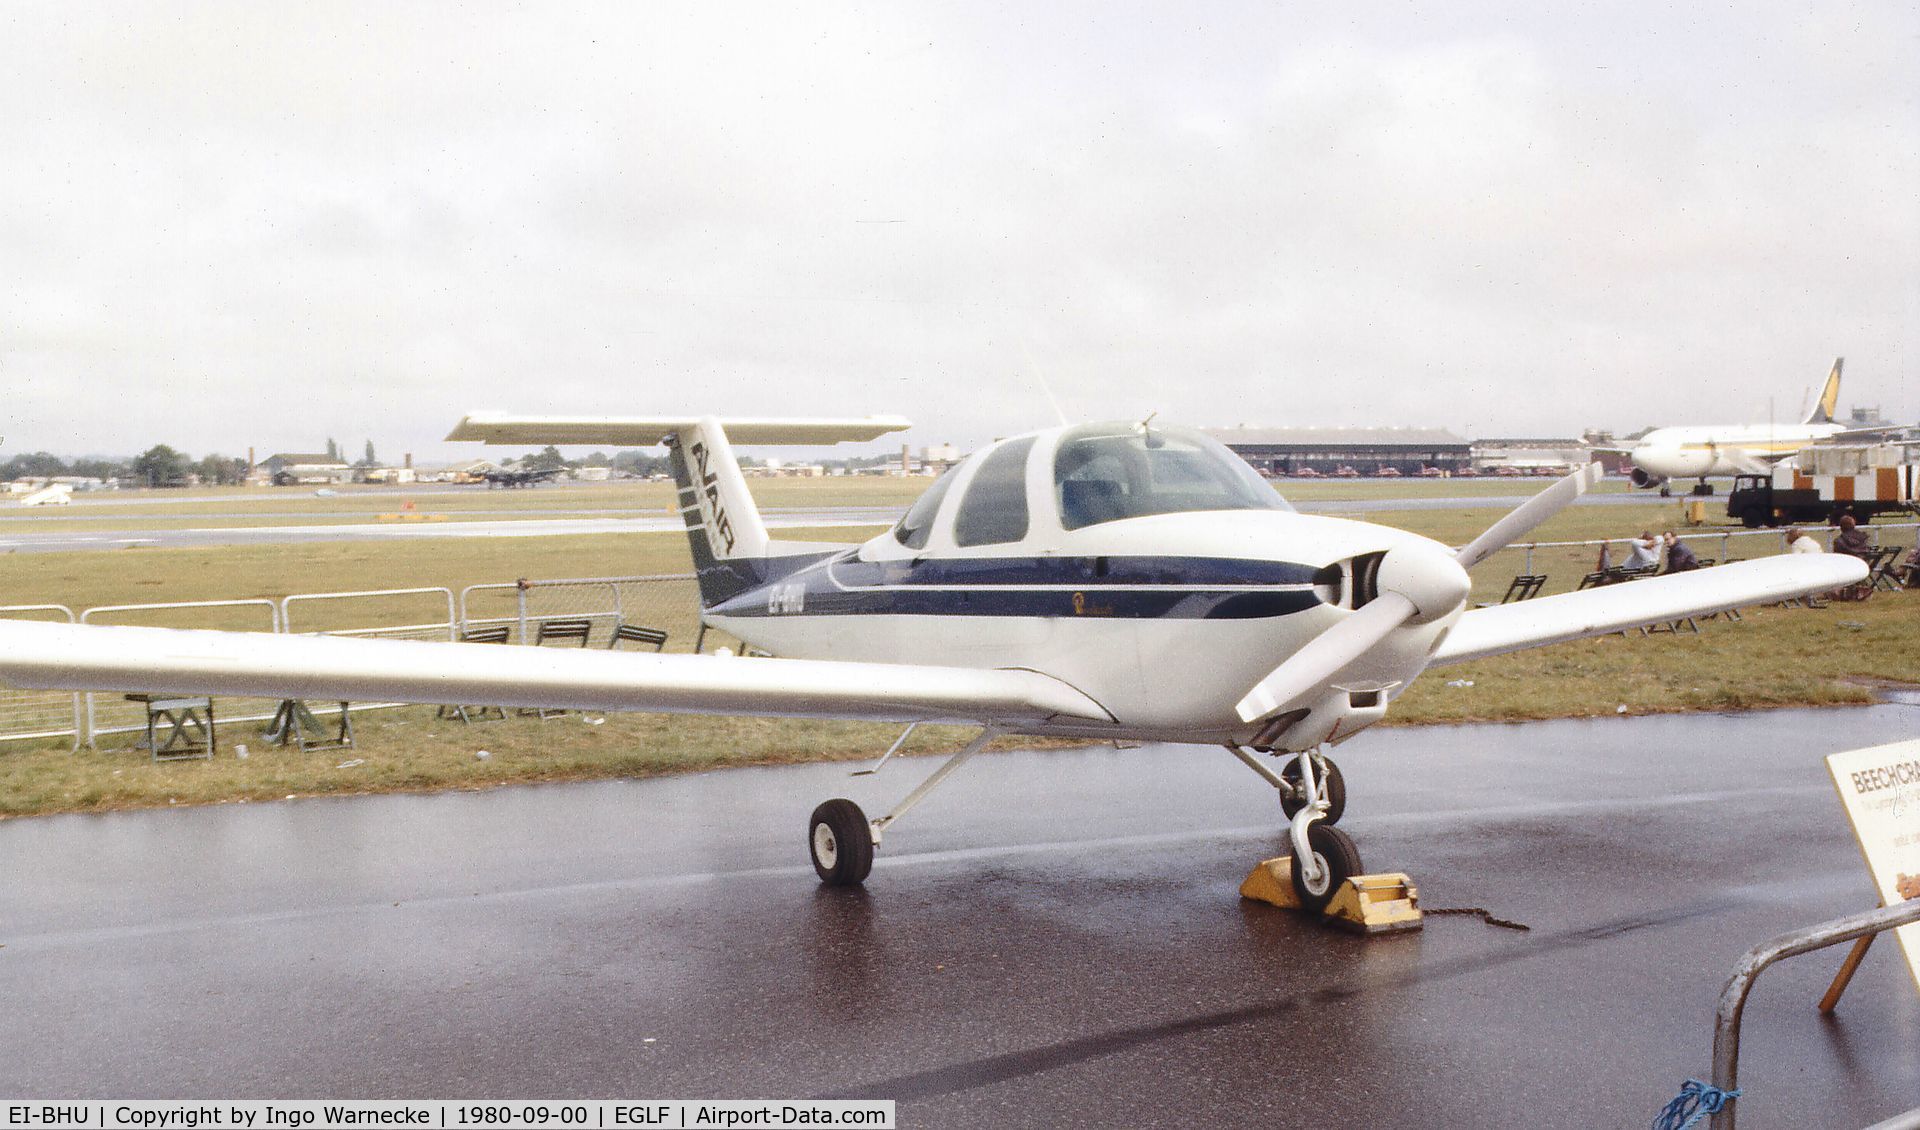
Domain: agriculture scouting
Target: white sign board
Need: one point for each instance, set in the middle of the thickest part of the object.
(1880, 789)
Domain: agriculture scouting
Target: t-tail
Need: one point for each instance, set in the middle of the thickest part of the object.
(1828, 405)
(731, 550)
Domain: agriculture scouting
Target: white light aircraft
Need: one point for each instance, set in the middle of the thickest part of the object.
(1694, 452)
(1116, 581)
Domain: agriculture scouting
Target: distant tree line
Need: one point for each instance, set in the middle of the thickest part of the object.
(159, 466)
(162, 466)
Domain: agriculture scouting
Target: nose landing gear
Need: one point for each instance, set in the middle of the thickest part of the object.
(1313, 794)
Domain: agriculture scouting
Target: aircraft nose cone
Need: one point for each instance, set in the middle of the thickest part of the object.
(1428, 577)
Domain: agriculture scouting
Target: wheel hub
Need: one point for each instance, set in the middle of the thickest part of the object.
(825, 848)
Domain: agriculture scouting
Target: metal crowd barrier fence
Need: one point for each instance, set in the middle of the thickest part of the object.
(667, 601)
(40, 714)
(113, 714)
(446, 627)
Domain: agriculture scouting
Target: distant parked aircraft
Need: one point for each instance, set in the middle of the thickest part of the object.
(504, 478)
(1727, 449)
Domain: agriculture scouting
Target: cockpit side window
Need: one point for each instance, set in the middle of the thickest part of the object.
(917, 524)
(1106, 472)
(994, 509)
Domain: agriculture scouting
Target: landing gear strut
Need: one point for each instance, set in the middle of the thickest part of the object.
(1313, 794)
(1333, 786)
(841, 838)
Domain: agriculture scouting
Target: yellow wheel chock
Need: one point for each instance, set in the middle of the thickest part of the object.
(1365, 904)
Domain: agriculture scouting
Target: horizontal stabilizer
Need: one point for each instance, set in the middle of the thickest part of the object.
(1595, 612)
(646, 431)
(334, 669)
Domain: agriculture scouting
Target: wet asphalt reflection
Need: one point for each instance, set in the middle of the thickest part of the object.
(1054, 939)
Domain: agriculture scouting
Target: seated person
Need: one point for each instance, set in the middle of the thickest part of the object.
(1852, 540)
(1910, 567)
(1642, 551)
(1799, 541)
(1680, 559)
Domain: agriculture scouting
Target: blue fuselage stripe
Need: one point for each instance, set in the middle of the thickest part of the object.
(1190, 588)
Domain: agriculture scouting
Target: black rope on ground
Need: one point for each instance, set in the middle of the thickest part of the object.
(1480, 912)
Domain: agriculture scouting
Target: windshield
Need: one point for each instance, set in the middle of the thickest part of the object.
(917, 524)
(1105, 472)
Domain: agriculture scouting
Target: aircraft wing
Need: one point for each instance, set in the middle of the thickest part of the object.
(1875, 434)
(646, 431)
(1748, 463)
(1595, 612)
(328, 668)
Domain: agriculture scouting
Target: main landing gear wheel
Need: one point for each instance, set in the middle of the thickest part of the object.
(1337, 860)
(1333, 786)
(841, 841)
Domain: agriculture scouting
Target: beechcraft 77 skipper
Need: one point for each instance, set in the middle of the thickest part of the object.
(1117, 581)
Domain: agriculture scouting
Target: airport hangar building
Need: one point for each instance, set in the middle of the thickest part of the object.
(1286, 451)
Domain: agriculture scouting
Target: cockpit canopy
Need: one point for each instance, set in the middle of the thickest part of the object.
(1106, 472)
(1091, 474)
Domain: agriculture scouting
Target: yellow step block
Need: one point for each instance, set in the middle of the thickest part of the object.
(1367, 904)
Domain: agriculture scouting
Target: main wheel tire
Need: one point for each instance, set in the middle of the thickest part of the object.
(1339, 861)
(1333, 786)
(841, 843)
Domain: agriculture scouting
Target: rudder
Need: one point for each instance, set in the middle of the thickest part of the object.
(1828, 405)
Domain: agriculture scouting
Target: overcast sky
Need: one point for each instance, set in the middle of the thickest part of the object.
(268, 224)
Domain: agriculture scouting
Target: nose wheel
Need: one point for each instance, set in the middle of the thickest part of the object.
(1331, 860)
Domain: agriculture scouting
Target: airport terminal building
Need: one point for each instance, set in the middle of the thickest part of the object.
(1287, 451)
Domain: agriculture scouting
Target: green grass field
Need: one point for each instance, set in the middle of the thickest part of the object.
(235, 507)
(1776, 657)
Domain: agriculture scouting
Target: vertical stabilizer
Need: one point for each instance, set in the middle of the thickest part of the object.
(724, 530)
(1828, 406)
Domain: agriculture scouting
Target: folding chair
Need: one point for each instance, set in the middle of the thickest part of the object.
(1524, 586)
(1886, 569)
(634, 633)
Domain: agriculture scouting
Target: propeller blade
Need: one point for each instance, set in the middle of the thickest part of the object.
(1325, 655)
(1529, 514)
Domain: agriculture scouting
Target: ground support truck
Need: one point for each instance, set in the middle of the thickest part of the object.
(1822, 483)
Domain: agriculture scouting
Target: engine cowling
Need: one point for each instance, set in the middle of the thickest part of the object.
(1645, 479)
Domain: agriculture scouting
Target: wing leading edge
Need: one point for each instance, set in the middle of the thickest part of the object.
(1595, 612)
(165, 660)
